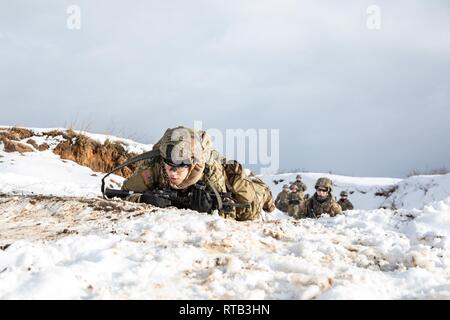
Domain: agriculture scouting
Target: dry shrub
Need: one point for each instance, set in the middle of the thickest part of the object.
(438, 171)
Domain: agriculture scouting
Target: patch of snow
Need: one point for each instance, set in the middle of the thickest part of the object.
(46, 173)
(418, 191)
(89, 248)
(181, 254)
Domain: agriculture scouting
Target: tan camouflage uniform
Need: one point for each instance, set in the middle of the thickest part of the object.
(295, 204)
(345, 204)
(301, 186)
(214, 171)
(281, 202)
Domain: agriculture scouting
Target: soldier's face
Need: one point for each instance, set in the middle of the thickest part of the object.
(176, 174)
(322, 193)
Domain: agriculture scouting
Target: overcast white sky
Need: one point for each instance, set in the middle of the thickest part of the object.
(345, 98)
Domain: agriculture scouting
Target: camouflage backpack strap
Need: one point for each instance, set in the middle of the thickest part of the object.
(149, 155)
(233, 171)
(219, 199)
(206, 173)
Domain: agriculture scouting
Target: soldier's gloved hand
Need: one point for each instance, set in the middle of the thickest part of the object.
(155, 200)
(201, 200)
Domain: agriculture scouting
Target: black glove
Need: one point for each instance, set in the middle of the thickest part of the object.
(201, 199)
(155, 200)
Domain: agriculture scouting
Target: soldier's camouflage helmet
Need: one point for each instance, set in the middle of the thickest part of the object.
(286, 186)
(344, 194)
(298, 177)
(324, 183)
(182, 146)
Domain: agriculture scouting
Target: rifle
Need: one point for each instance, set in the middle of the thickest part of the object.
(311, 214)
(164, 198)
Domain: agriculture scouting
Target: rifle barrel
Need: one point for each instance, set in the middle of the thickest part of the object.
(169, 195)
(111, 193)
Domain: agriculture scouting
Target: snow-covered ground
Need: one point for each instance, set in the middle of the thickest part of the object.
(45, 173)
(59, 240)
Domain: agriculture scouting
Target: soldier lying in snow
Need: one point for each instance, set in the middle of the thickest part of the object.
(184, 160)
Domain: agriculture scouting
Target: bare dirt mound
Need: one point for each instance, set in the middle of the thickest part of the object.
(14, 146)
(74, 146)
(90, 153)
(11, 137)
(41, 147)
(16, 134)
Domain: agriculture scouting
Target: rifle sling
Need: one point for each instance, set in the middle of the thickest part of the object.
(219, 199)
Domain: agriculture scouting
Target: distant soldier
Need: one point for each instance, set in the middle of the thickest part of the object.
(344, 202)
(295, 201)
(300, 185)
(322, 201)
(282, 202)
